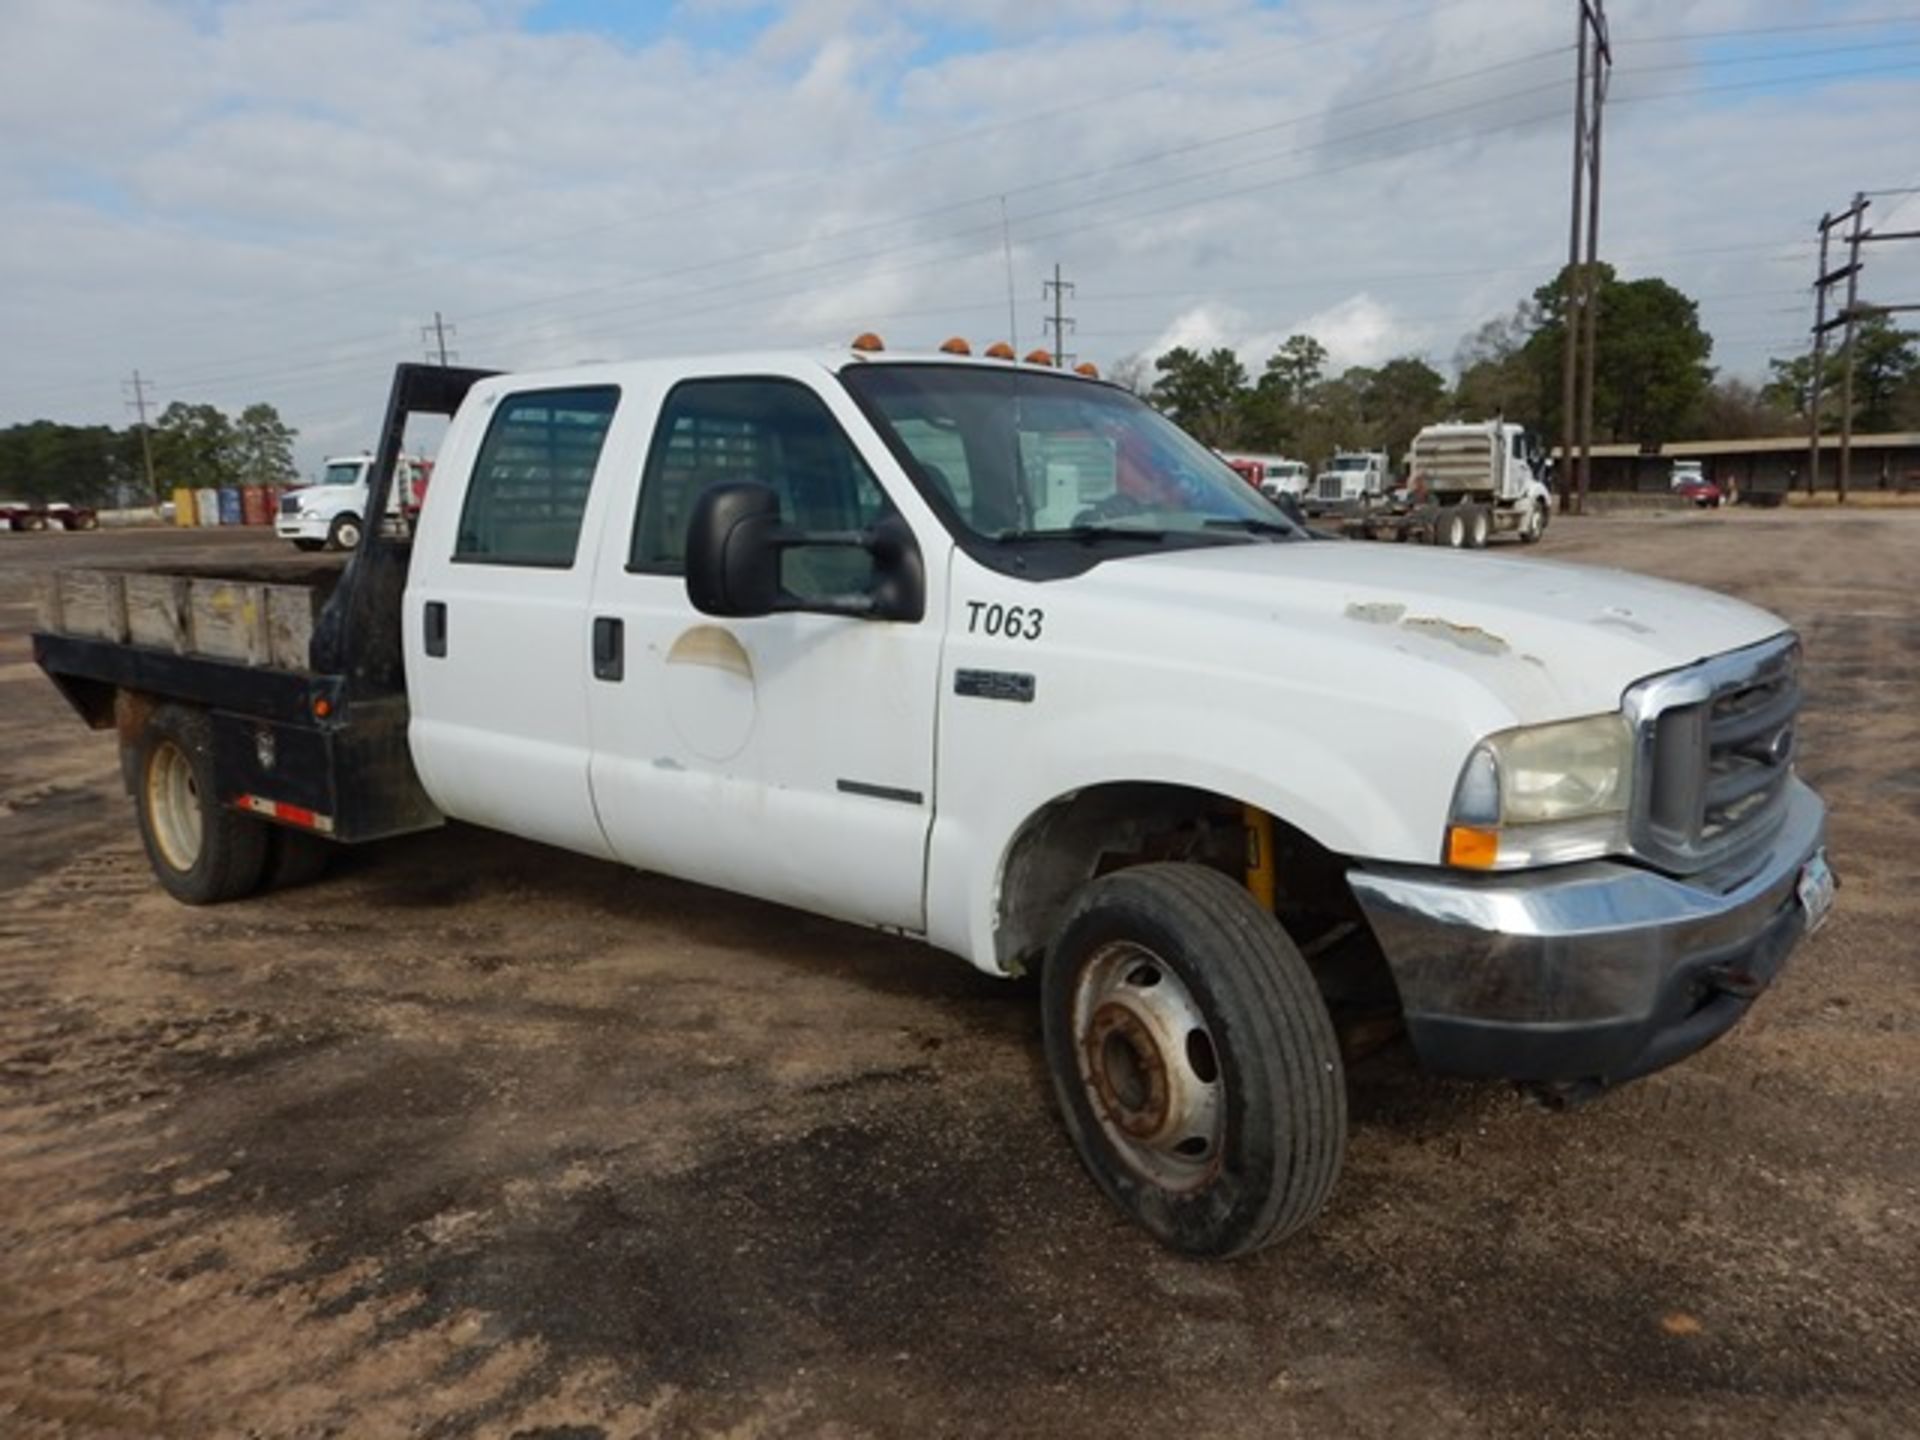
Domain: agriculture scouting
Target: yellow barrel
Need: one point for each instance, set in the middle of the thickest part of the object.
(183, 507)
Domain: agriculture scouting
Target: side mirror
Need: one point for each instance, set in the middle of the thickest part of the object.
(733, 555)
(735, 542)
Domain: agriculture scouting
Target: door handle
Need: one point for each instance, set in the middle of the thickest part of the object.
(435, 629)
(609, 647)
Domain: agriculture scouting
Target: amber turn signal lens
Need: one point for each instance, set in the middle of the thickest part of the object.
(1472, 848)
(322, 707)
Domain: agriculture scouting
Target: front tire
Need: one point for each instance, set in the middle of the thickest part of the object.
(201, 851)
(344, 533)
(1194, 1062)
(1534, 525)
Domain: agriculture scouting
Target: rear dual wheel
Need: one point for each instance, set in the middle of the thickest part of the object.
(201, 851)
(1194, 1061)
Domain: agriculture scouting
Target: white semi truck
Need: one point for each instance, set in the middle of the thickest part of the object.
(1354, 482)
(331, 514)
(999, 659)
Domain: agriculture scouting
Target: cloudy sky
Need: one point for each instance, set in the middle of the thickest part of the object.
(267, 199)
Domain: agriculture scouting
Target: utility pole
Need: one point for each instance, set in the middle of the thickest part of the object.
(1580, 304)
(1816, 382)
(139, 403)
(1849, 316)
(1058, 322)
(437, 333)
(1590, 310)
(1570, 301)
(1860, 203)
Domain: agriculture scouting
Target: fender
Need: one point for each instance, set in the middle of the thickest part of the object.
(1382, 810)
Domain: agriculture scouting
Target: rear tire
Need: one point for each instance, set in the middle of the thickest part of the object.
(294, 858)
(1193, 1059)
(1479, 527)
(1451, 528)
(201, 851)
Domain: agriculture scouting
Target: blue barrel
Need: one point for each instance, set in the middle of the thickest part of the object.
(232, 511)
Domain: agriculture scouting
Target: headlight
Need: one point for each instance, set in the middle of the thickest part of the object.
(1543, 794)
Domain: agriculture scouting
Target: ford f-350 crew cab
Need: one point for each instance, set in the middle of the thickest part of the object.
(997, 657)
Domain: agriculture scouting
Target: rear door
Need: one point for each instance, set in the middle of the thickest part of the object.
(496, 632)
(788, 756)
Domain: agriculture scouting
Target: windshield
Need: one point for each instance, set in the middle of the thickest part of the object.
(1351, 462)
(1016, 455)
(343, 472)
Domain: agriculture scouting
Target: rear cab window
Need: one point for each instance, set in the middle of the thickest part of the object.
(527, 495)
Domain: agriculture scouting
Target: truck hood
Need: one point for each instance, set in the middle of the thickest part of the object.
(1549, 640)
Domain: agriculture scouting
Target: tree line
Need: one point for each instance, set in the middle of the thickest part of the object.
(192, 445)
(1652, 382)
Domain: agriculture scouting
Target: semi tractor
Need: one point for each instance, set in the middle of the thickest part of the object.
(1272, 475)
(331, 514)
(1353, 484)
(832, 631)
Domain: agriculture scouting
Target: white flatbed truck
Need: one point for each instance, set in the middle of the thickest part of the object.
(997, 658)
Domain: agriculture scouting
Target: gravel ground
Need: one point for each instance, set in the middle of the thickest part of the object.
(480, 1138)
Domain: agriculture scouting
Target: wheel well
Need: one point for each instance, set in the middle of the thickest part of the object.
(1104, 828)
(1095, 831)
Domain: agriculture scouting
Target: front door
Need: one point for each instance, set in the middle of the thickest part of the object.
(788, 756)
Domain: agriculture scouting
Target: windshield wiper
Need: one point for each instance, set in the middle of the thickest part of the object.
(1253, 526)
(1086, 534)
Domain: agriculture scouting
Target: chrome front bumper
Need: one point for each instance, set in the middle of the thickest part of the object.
(1597, 971)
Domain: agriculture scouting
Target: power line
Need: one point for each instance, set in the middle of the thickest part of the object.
(1096, 172)
(1108, 95)
(1104, 223)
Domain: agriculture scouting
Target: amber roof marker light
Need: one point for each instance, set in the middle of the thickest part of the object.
(1000, 350)
(955, 345)
(868, 341)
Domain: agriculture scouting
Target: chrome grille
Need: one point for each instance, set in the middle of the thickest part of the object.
(289, 505)
(1329, 487)
(1715, 748)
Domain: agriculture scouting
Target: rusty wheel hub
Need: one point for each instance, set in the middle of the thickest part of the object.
(1148, 1061)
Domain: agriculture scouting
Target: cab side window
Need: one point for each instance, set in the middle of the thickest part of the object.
(777, 433)
(528, 492)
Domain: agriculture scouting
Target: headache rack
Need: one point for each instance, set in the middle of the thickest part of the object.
(1714, 751)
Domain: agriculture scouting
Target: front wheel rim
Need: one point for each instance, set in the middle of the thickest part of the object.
(1149, 1066)
(349, 536)
(173, 806)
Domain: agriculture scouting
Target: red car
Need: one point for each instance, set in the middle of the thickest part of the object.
(1701, 491)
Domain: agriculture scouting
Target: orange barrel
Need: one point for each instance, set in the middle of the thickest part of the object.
(256, 505)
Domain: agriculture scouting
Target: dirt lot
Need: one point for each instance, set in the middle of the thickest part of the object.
(479, 1138)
